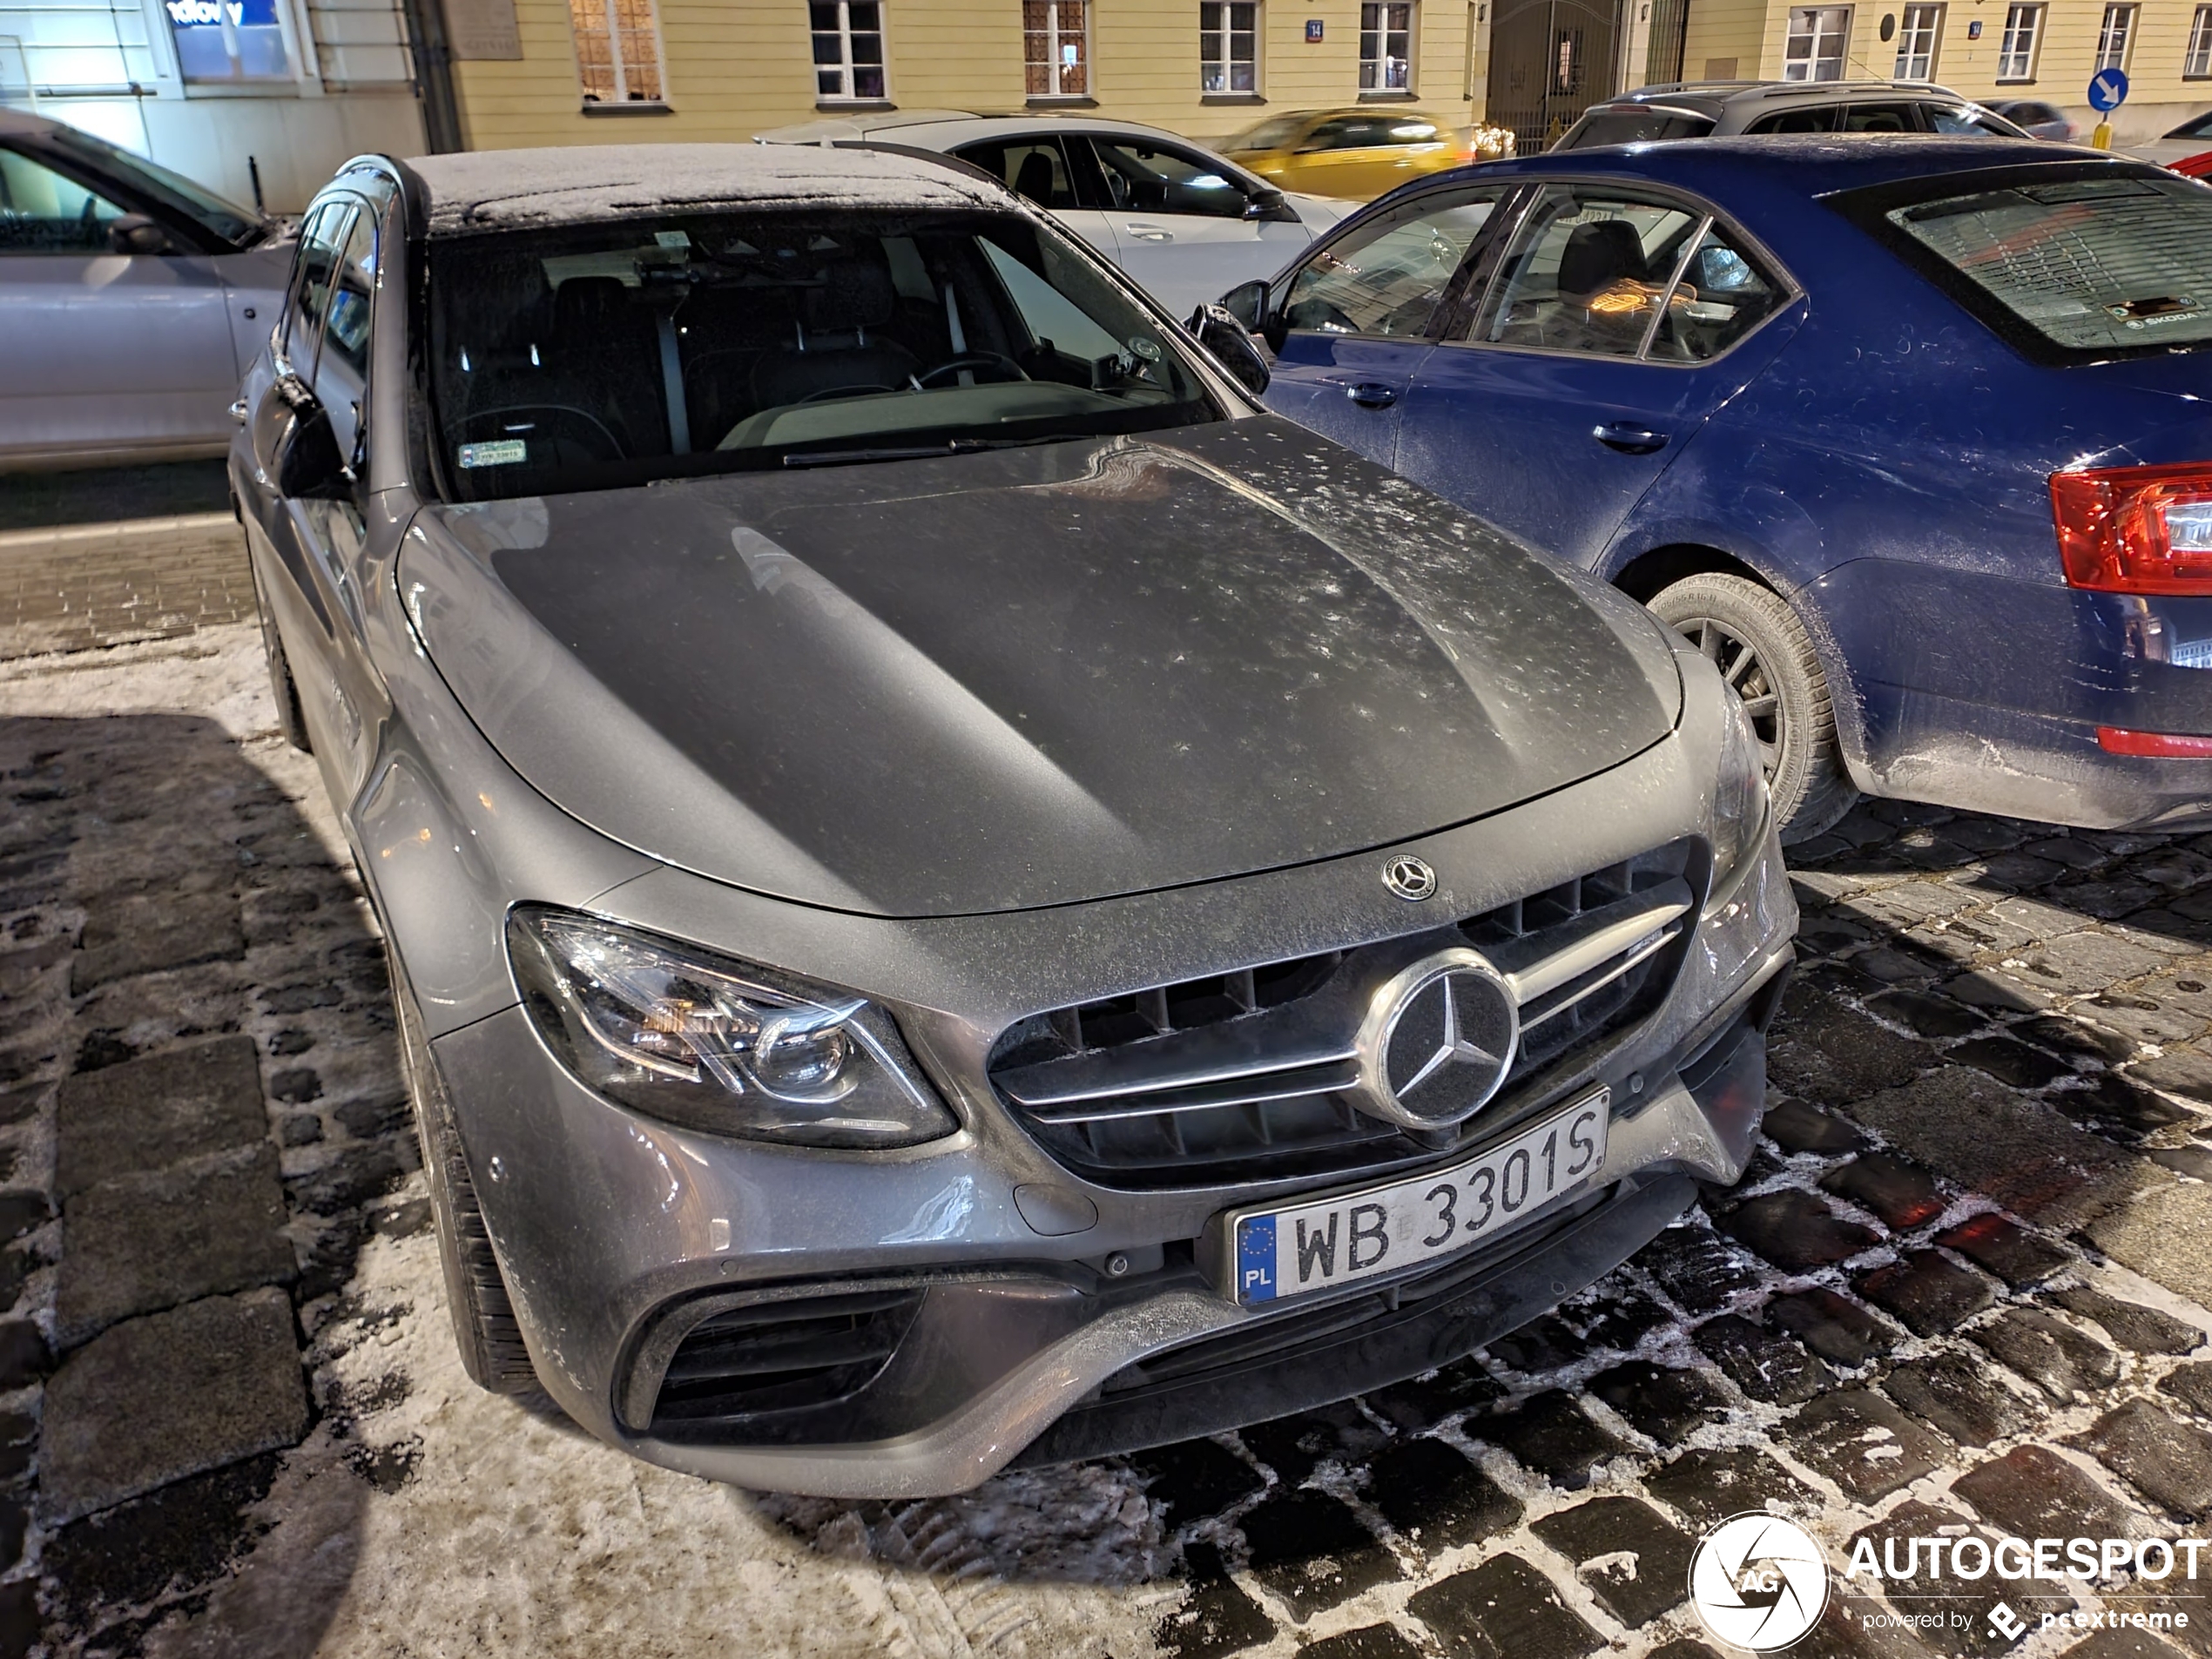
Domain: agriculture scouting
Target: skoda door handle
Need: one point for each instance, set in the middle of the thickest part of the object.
(1629, 438)
(1372, 395)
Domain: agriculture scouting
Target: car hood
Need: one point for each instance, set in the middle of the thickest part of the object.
(1029, 676)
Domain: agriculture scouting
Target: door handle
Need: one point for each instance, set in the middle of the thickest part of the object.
(238, 411)
(1629, 438)
(1150, 233)
(1372, 395)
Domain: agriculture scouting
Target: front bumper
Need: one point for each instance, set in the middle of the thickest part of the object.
(616, 1232)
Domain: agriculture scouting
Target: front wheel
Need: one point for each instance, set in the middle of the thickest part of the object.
(1761, 648)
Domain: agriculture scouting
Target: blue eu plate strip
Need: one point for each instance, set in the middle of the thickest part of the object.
(1255, 1258)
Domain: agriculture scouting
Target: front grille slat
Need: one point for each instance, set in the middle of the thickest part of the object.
(1238, 1077)
(751, 1363)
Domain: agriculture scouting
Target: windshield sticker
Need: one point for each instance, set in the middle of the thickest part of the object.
(503, 453)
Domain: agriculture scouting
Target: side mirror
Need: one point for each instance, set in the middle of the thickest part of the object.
(1216, 328)
(1247, 303)
(1270, 206)
(135, 233)
(307, 464)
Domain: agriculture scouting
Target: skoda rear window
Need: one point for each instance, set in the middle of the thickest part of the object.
(2083, 268)
(1639, 127)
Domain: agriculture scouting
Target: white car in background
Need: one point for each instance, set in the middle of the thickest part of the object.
(1186, 223)
(130, 301)
(2192, 138)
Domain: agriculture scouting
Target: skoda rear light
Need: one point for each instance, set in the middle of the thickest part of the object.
(2136, 530)
(2157, 746)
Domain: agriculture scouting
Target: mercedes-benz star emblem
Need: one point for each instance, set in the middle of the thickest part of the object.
(1437, 1042)
(1409, 877)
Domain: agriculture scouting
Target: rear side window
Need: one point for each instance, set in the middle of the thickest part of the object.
(2082, 267)
(1636, 126)
(1820, 119)
(1879, 117)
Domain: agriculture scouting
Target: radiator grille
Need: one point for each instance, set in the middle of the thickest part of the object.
(1239, 1076)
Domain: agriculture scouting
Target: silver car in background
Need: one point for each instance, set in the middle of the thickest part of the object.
(130, 301)
(1188, 224)
(957, 891)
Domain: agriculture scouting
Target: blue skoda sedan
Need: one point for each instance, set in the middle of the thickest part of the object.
(1913, 435)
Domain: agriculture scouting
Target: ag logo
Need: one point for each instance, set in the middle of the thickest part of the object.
(1758, 1581)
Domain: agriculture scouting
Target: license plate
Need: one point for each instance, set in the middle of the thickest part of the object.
(1298, 1249)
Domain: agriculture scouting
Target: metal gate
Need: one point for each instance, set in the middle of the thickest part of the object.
(1549, 61)
(1669, 33)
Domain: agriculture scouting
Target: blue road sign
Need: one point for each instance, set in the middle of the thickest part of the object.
(2108, 90)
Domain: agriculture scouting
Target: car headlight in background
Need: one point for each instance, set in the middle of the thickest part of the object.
(713, 1045)
(1739, 791)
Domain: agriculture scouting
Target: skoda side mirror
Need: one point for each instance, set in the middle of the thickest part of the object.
(306, 462)
(135, 233)
(1216, 327)
(1247, 303)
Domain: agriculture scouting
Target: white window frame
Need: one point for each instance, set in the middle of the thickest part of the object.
(844, 69)
(2116, 37)
(1218, 32)
(2020, 43)
(1056, 38)
(2197, 60)
(1806, 24)
(1375, 60)
(621, 69)
(1920, 37)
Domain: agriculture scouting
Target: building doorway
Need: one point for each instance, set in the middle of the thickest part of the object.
(1549, 61)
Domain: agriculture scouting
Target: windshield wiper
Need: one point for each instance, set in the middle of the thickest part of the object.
(915, 452)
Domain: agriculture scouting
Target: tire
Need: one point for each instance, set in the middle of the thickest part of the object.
(1761, 648)
(484, 1327)
(292, 721)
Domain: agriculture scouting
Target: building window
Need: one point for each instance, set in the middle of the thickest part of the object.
(1228, 46)
(228, 40)
(1055, 41)
(2196, 63)
(1919, 28)
(1386, 46)
(2016, 49)
(848, 48)
(618, 51)
(2117, 35)
(1814, 49)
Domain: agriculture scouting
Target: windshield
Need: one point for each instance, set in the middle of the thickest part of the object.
(2090, 265)
(602, 355)
(239, 226)
(1270, 134)
(2199, 128)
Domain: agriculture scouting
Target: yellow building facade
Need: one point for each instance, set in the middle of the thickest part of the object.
(596, 72)
(602, 71)
(1989, 50)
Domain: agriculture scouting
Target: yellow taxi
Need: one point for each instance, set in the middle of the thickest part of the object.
(1359, 152)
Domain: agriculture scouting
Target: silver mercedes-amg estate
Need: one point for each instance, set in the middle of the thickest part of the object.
(958, 893)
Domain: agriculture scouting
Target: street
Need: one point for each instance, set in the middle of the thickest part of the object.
(1959, 1287)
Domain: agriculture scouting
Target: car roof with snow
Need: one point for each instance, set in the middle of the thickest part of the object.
(486, 190)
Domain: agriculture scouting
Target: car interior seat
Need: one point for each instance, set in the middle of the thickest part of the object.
(1033, 177)
(606, 361)
(837, 343)
(1598, 255)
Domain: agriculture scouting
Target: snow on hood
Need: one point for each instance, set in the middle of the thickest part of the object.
(515, 189)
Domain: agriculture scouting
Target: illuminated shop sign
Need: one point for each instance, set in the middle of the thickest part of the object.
(228, 40)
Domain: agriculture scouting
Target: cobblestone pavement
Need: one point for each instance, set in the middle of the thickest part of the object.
(86, 585)
(1962, 1286)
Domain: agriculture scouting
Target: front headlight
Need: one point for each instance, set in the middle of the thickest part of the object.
(716, 1045)
(1739, 792)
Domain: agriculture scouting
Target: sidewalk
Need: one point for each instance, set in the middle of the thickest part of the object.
(79, 586)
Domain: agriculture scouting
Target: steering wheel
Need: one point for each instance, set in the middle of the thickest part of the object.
(1006, 367)
(829, 392)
